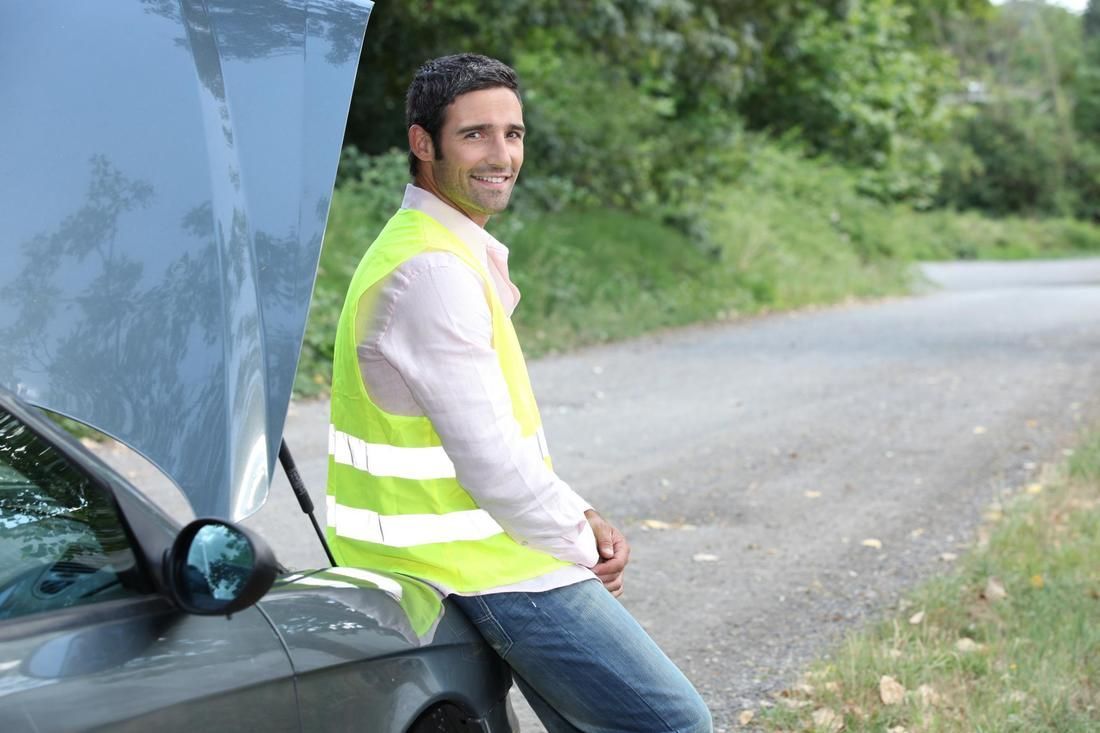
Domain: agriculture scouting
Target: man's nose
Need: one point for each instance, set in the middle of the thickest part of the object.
(499, 154)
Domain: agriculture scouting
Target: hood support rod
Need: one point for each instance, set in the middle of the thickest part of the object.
(304, 500)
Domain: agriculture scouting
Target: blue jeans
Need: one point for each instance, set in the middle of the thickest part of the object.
(584, 664)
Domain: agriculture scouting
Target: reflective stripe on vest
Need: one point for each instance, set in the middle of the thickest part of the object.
(409, 530)
(418, 464)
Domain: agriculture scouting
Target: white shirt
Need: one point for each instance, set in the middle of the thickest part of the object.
(426, 350)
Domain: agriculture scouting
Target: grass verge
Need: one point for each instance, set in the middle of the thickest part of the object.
(1010, 642)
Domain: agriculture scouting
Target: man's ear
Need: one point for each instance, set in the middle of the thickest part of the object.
(420, 143)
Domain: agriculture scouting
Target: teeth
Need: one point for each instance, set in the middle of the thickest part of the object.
(494, 179)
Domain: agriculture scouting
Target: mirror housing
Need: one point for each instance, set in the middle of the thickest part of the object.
(217, 568)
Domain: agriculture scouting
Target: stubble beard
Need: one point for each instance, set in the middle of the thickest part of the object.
(483, 202)
(466, 194)
(492, 202)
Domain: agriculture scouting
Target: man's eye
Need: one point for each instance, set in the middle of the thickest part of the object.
(473, 135)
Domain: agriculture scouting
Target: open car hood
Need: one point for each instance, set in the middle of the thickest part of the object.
(165, 178)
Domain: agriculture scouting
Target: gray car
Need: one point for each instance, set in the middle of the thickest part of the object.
(165, 176)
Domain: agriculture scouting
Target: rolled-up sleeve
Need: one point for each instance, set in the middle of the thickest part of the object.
(438, 337)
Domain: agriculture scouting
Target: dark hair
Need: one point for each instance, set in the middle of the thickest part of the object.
(438, 82)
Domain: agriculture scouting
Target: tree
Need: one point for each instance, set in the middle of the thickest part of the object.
(1086, 113)
(1091, 21)
(855, 85)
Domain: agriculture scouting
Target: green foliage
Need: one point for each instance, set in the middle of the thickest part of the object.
(1009, 159)
(947, 235)
(605, 85)
(669, 49)
(599, 141)
(785, 201)
(592, 120)
(856, 87)
(1086, 112)
(1084, 466)
(1087, 84)
(1083, 180)
(1030, 46)
(1090, 22)
(634, 104)
(1027, 145)
(935, 22)
(596, 275)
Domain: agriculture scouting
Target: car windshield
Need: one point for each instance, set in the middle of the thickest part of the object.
(61, 540)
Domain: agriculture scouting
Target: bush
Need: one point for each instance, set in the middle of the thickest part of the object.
(597, 139)
(1015, 157)
(855, 86)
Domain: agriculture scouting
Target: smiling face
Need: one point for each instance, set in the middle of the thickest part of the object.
(479, 154)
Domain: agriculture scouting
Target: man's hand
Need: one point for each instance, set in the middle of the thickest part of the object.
(614, 553)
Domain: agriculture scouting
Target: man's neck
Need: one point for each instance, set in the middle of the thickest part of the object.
(428, 184)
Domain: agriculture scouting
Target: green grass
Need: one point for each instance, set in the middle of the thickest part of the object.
(792, 232)
(1034, 657)
(595, 276)
(799, 194)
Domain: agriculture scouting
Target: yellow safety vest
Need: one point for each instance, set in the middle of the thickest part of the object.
(393, 500)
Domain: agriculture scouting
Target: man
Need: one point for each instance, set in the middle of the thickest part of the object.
(438, 465)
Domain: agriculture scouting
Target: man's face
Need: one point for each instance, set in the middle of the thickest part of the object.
(480, 152)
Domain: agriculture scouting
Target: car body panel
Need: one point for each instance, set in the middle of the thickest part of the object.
(150, 667)
(162, 232)
(355, 653)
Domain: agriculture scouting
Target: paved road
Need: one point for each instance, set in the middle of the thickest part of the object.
(772, 447)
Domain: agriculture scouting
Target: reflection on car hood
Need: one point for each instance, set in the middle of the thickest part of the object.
(413, 614)
(164, 185)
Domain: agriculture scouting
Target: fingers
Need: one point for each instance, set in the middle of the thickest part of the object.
(614, 552)
(613, 583)
(613, 544)
(607, 575)
(609, 568)
(605, 540)
(615, 588)
(622, 548)
(610, 572)
(616, 563)
(604, 533)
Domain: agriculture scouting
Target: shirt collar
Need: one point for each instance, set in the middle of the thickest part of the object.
(473, 236)
(491, 253)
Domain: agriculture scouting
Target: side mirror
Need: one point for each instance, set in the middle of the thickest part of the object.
(217, 568)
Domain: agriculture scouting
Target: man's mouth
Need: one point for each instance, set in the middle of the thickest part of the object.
(496, 180)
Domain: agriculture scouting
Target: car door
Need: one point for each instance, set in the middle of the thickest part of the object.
(85, 640)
